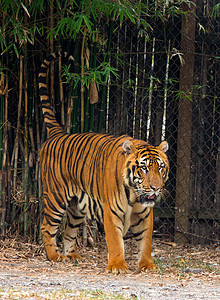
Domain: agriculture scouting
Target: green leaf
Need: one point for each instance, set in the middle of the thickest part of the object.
(16, 50)
(88, 23)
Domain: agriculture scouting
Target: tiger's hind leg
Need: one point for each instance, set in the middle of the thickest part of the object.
(53, 214)
(74, 219)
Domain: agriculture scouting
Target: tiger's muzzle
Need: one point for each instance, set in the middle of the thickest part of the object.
(150, 199)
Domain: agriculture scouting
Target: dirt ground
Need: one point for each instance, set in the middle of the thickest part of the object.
(187, 272)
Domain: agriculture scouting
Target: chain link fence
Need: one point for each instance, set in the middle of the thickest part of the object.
(167, 89)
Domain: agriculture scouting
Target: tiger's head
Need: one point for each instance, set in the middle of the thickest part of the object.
(146, 170)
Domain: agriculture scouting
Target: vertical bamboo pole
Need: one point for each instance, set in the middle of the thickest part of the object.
(16, 144)
(82, 82)
(69, 110)
(3, 182)
(2, 92)
(37, 186)
(26, 171)
(75, 91)
(87, 103)
(4, 143)
(51, 47)
(139, 93)
(61, 94)
(1, 115)
(104, 88)
(93, 65)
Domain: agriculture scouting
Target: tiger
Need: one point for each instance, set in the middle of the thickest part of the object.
(114, 180)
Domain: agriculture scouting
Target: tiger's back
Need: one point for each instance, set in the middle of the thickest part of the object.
(82, 162)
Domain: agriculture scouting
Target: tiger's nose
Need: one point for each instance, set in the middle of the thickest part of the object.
(155, 188)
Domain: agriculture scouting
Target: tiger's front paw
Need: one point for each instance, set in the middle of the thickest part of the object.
(117, 268)
(147, 265)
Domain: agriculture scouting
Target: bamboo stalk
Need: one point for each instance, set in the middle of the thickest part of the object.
(92, 92)
(1, 128)
(26, 167)
(69, 110)
(51, 47)
(82, 82)
(33, 151)
(26, 171)
(139, 90)
(2, 92)
(4, 168)
(16, 144)
(76, 90)
(4, 155)
(93, 65)
(61, 94)
(87, 93)
(104, 89)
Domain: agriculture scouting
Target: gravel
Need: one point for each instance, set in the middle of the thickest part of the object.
(47, 281)
(183, 272)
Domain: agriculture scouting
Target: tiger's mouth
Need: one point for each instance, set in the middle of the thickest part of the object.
(148, 200)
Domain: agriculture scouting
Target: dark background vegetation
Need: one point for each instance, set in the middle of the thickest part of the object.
(149, 69)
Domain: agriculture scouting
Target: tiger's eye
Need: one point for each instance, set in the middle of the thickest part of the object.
(144, 169)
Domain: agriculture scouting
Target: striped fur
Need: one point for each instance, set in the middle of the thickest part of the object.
(112, 179)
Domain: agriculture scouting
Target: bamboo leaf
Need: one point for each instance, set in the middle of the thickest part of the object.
(78, 23)
(16, 50)
(26, 10)
(6, 49)
(88, 23)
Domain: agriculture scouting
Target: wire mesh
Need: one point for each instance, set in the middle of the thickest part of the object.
(147, 102)
(167, 88)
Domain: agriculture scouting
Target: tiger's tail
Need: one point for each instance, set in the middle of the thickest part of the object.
(48, 112)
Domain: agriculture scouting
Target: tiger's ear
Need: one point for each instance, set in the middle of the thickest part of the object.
(164, 146)
(128, 147)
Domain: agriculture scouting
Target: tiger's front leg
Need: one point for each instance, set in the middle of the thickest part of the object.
(142, 228)
(114, 238)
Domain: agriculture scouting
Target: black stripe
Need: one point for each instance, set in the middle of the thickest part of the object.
(45, 102)
(82, 196)
(43, 69)
(43, 91)
(50, 234)
(42, 79)
(50, 219)
(116, 214)
(127, 192)
(119, 206)
(75, 226)
(51, 57)
(139, 213)
(138, 223)
(139, 233)
(75, 216)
